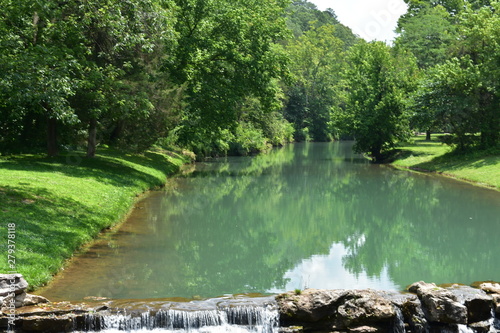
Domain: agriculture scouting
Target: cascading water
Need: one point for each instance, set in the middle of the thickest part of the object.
(203, 317)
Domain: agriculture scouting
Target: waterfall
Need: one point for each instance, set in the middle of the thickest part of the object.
(398, 325)
(223, 317)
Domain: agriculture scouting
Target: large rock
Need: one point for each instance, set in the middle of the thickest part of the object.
(414, 316)
(439, 305)
(310, 305)
(479, 304)
(365, 307)
(490, 287)
(331, 310)
(12, 283)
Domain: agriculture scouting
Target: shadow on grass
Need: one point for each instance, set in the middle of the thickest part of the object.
(106, 167)
(456, 160)
(48, 228)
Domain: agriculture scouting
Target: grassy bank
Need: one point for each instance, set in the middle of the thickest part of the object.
(59, 204)
(479, 167)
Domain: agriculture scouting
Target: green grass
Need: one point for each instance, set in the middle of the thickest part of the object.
(479, 167)
(60, 204)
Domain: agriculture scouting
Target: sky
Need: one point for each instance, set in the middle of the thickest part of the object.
(369, 19)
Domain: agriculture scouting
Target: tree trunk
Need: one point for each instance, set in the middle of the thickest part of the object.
(52, 149)
(92, 140)
(428, 135)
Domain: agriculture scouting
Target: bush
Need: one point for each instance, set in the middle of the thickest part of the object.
(249, 140)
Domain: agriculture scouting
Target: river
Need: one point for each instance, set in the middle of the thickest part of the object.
(309, 215)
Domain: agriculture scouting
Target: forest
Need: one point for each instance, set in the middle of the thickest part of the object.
(220, 77)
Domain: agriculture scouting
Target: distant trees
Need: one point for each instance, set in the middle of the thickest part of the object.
(225, 76)
(461, 94)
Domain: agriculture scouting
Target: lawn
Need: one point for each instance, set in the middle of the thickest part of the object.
(479, 167)
(59, 204)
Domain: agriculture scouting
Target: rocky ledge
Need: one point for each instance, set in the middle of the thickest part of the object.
(425, 307)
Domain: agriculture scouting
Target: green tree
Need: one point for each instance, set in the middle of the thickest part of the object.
(226, 53)
(317, 62)
(428, 35)
(378, 80)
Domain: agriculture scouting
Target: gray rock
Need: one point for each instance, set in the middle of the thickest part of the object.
(490, 287)
(310, 305)
(481, 326)
(414, 316)
(365, 329)
(29, 299)
(365, 307)
(479, 304)
(439, 304)
(47, 324)
(415, 287)
(496, 302)
(12, 283)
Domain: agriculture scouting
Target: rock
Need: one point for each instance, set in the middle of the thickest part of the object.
(496, 302)
(365, 307)
(365, 329)
(47, 324)
(12, 283)
(490, 287)
(439, 304)
(29, 299)
(414, 316)
(481, 326)
(415, 287)
(310, 305)
(479, 304)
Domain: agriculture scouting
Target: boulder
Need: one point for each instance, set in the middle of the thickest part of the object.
(12, 283)
(496, 302)
(310, 305)
(414, 315)
(47, 324)
(365, 307)
(439, 304)
(479, 304)
(490, 287)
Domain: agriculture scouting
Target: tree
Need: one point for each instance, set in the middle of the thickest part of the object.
(428, 35)
(463, 92)
(377, 84)
(226, 53)
(317, 61)
(36, 70)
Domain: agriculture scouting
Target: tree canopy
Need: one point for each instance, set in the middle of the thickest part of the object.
(221, 76)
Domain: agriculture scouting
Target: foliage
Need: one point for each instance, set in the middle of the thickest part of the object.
(226, 54)
(428, 35)
(462, 95)
(317, 61)
(378, 82)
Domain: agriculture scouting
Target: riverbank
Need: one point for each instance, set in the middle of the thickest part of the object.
(53, 206)
(480, 167)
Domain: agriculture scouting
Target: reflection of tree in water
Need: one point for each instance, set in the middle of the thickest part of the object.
(238, 227)
(422, 230)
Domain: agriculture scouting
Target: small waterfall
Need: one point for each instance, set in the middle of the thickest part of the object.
(223, 317)
(399, 325)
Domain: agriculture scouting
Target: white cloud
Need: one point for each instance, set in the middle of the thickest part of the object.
(370, 19)
(328, 272)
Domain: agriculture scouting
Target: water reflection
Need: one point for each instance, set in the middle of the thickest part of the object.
(308, 215)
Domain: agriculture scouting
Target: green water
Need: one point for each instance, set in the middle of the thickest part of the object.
(305, 216)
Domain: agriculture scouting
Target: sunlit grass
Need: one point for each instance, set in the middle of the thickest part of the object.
(481, 167)
(59, 204)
